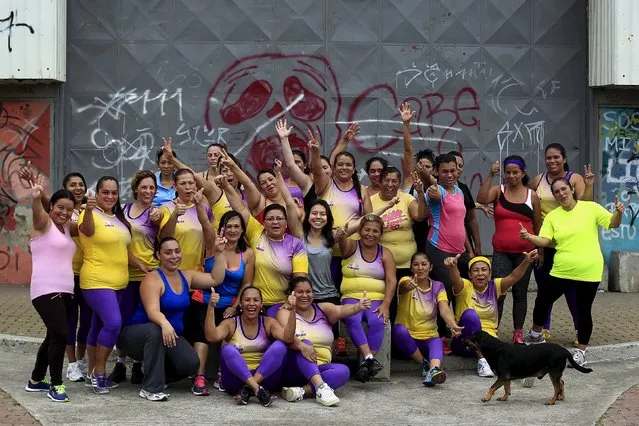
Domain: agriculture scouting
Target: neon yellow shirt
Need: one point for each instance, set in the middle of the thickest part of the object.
(417, 309)
(275, 261)
(106, 258)
(358, 276)
(483, 302)
(188, 232)
(576, 237)
(398, 234)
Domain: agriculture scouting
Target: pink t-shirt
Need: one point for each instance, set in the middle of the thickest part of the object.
(446, 216)
(52, 257)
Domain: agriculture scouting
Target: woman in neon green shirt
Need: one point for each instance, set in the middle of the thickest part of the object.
(578, 262)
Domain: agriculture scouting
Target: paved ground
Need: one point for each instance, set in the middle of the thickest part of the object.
(624, 411)
(402, 401)
(13, 413)
(612, 312)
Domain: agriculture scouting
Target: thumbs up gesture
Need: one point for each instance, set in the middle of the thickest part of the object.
(365, 303)
(433, 191)
(494, 168)
(618, 206)
(155, 215)
(451, 262)
(215, 297)
(523, 232)
(290, 302)
(180, 208)
(91, 201)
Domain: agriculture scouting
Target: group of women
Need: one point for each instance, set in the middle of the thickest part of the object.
(269, 268)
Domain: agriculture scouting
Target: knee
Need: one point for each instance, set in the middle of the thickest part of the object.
(278, 349)
(398, 331)
(112, 323)
(228, 351)
(469, 315)
(153, 333)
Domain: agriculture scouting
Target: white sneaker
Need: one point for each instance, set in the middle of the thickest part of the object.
(83, 364)
(88, 382)
(160, 396)
(326, 396)
(293, 394)
(73, 372)
(483, 369)
(579, 357)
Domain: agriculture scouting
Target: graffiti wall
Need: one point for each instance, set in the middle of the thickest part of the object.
(25, 131)
(619, 144)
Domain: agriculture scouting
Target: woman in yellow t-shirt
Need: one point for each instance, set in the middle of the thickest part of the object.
(415, 330)
(105, 236)
(476, 306)
(578, 263)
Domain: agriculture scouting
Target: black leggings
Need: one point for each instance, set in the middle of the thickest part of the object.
(54, 309)
(503, 265)
(585, 292)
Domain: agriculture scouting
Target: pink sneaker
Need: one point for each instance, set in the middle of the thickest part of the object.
(518, 336)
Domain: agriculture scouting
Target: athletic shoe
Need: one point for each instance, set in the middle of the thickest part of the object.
(242, 397)
(293, 394)
(83, 364)
(136, 373)
(438, 375)
(88, 382)
(576, 342)
(73, 372)
(363, 375)
(579, 357)
(118, 375)
(199, 387)
(159, 396)
(547, 334)
(373, 366)
(265, 396)
(99, 383)
(529, 339)
(518, 336)
(425, 367)
(528, 382)
(218, 383)
(447, 350)
(58, 394)
(341, 347)
(41, 386)
(483, 369)
(326, 396)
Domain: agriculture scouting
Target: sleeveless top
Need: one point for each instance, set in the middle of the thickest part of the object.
(52, 258)
(143, 235)
(447, 217)
(343, 204)
(318, 331)
(172, 305)
(546, 199)
(507, 217)
(251, 350)
(319, 270)
(359, 275)
(229, 288)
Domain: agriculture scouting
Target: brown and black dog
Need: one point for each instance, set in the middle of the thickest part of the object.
(510, 362)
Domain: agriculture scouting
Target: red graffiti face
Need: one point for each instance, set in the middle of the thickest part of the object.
(254, 91)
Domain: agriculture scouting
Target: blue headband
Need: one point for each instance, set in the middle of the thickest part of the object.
(515, 162)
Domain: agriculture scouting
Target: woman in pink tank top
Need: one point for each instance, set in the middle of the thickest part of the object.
(51, 289)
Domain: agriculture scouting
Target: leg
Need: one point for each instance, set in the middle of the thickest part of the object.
(440, 273)
(406, 343)
(435, 350)
(375, 334)
(269, 371)
(181, 360)
(235, 372)
(72, 323)
(472, 324)
(585, 293)
(86, 314)
(335, 375)
(546, 297)
(542, 277)
(106, 308)
(571, 301)
(194, 332)
(501, 267)
(356, 329)
(144, 341)
(520, 295)
(557, 385)
(53, 309)
(336, 271)
(491, 391)
(506, 394)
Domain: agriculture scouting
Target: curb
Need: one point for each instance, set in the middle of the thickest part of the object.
(596, 354)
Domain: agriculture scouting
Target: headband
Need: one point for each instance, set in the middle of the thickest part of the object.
(515, 162)
(479, 259)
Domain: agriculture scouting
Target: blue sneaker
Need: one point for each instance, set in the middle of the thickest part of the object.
(424, 368)
(438, 375)
(99, 383)
(58, 394)
(41, 386)
(428, 381)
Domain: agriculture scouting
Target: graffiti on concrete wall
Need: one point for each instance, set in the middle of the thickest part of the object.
(24, 136)
(619, 144)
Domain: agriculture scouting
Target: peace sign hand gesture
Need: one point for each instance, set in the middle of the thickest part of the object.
(589, 176)
(313, 142)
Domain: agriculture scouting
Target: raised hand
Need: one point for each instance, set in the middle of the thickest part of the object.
(410, 284)
(451, 262)
(277, 166)
(155, 215)
(494, 168)
(418, 184)
(406, 112)
(523, 232)
(531, 256)
(290, 303)
(589, 176)
(91, 200)
(167, 148)
(351, 132)
(281, 128)
(199, 196)
(180, 208)
(220, 181)
(618, 206)
(220, 242)
(37, 186)
(433, 191)
(228, 161)
(27, 172)
(214, 299)
(339, 233)
(313, 141)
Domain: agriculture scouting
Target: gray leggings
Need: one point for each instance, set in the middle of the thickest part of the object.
(161, 365)
(503, 264)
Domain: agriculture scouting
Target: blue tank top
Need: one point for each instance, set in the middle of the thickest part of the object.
(172, 305)
(230, 287)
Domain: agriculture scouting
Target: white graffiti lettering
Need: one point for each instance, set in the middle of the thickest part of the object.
(432, 73)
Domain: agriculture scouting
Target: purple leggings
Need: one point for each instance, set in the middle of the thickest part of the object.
(472, 324)
(298, 371)
(432, 348)
(235, 372)
(375, 335)
(107, 305)
(85, 317)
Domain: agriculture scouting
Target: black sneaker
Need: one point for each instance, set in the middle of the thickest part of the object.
(118, 375)
(373, 366)
(363, 374)
(136, 373)
(242, 397)
(265, 396)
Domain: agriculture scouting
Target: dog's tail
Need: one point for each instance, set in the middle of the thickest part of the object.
(575, 365)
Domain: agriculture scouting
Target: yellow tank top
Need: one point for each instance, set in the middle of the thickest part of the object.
(359, 275)
(546, 199)
(319, 332)
(398, 234)
(251, 350)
